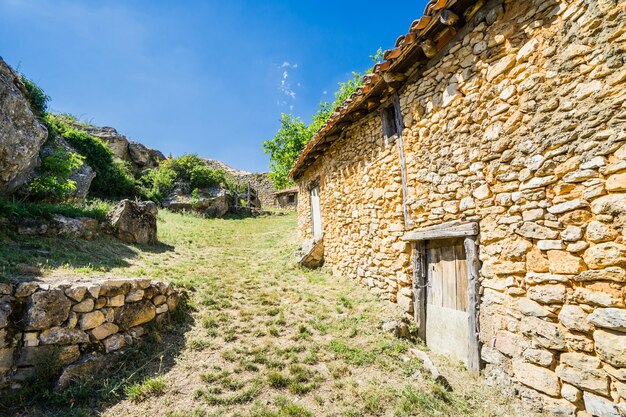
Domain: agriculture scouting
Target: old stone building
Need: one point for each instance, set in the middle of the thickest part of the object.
(287, 198)
(478, 179)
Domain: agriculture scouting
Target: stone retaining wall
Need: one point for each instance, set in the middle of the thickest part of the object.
(74, 321)
(519, 126)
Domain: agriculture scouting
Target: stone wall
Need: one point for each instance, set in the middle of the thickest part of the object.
(520, 127)
(74, 322)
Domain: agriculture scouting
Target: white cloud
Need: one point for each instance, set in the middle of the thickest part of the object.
(285, 86)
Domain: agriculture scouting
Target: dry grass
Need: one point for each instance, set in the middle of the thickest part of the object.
(270, 339)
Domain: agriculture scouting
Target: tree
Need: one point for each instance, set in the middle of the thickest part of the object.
(285, 147)
(294, 134)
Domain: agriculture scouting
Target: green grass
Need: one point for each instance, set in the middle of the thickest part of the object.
(264, 337)
(12, 209)
(147, 388)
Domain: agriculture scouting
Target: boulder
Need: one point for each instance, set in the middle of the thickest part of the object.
(21, 134)
(211, 202)
(134, 314)
(143, 157)
(134, 222)
(47, 309)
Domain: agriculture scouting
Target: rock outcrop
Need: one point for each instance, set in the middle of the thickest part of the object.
(134, 222)
(260, 182)
(21, 134)
(211, 202)
(138, 155)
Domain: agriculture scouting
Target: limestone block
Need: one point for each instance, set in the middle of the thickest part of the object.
(539, 278)
(538, 182)
(600, 406)
(568, 206)
(84, 306)
(134, 296)
(500, 67)
(547, 294)
(62, 336)
(571, 393)
(611, 347)
(114, 342)
(532, 308)
(601, 298)
(613, 273)
(46, 309)
(135, 314)
(609, 318)
(24, 289)
(562, 262)
(91, 320)
(527, 50)
(536, 261)
(583, 371)
(546, 334)
(616, 182)
(116, 301)
(532, 230)
(574, 318)
(572, 233)
(598, 232)
(104, 330)
(547, 245)
(536, 377)
(605, 254)
(76, 293)
(539, 357)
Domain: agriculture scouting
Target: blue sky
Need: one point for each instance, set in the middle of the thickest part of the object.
(206, 77)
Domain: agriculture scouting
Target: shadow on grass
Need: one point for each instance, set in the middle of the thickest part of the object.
(149, 358)
(26, 256)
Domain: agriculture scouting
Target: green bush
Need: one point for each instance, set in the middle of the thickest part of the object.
(189, 169)
(36, 96)
(96, 209)
(113, 178)
(54, 180)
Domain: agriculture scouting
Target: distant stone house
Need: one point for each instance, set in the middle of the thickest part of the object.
(478, 179)
(287, 198)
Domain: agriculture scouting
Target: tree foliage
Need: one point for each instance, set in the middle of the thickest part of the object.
(53, 181)
(294, 134)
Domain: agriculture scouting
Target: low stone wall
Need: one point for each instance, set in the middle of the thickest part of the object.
(74, 322)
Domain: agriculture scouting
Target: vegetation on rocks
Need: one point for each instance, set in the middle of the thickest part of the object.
(188, 169)
(113, 178)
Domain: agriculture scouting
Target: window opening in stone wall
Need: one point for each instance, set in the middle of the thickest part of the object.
(291, 199)
(390, 122)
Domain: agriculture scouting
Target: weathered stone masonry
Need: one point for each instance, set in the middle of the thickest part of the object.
(75, 323)
(519, 126)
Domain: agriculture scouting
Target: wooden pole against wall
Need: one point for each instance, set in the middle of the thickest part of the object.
(473, 270)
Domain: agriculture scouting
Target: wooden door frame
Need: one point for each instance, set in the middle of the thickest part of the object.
(448, 230)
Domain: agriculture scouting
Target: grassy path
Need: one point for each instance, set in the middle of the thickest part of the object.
(266, 338)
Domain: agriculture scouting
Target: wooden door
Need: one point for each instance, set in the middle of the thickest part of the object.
(447, 298)
(316, 213)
